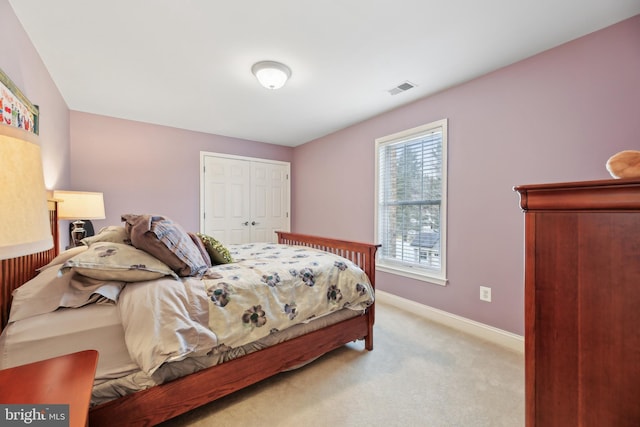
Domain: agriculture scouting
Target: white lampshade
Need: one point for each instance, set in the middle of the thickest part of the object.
(271, 74)
(79, 204)
(24, 216)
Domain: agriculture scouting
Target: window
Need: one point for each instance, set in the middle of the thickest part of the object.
(411, 188)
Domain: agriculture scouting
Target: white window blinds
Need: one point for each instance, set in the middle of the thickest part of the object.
(411, 187)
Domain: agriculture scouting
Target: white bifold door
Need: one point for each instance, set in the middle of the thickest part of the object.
(244, 199)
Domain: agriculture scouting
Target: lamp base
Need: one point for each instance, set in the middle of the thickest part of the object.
(78, 230)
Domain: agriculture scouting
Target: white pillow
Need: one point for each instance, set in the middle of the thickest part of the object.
(64, 256)
(117, 261)
(112, 233)
(50, 290)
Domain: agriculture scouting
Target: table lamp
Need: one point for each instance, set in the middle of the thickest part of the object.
(81, 207)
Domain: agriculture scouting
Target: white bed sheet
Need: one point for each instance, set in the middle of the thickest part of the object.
(64, 331)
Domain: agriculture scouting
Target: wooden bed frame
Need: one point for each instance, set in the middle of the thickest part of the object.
(163, 402)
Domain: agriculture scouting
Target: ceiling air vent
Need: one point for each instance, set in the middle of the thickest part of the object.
(403, 87)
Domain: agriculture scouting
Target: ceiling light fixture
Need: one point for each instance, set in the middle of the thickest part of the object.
(272, 75)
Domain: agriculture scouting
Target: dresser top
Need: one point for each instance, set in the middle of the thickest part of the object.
(63, 380)
(610, 194)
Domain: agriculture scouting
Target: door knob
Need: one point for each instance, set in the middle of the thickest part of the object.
(254, 223)
(245, 223)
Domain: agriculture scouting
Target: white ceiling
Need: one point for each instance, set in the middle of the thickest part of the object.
(187, 63)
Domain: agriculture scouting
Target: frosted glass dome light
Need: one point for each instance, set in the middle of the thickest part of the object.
(272, 75)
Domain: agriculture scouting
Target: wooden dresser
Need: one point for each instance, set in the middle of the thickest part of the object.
(582, 303)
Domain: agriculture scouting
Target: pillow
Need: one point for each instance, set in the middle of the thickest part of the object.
(112, 233)
(203, 250)
(64, 256)
(167, 241)
(39, 295)
(116, 262)
(216, 250)
(50, 290)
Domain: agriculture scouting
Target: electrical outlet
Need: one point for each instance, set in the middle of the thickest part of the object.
(485, 293)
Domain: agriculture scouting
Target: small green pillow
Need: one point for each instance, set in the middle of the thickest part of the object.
(216, 250)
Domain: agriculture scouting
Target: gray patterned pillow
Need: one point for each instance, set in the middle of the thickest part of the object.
(167, 241)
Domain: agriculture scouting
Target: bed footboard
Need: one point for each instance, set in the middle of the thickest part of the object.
(361, 254)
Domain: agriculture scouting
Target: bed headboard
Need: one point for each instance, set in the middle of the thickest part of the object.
(16, 271)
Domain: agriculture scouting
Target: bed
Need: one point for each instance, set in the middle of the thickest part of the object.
(202, 377)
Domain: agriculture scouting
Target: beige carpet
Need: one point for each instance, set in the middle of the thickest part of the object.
(419, 374)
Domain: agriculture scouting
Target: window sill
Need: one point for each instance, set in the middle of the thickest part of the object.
(412, 274)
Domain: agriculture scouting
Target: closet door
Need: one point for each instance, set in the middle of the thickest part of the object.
(226, 186)
(269, 200)
(244, 199)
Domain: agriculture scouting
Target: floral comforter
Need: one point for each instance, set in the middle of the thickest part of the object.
(271, 287)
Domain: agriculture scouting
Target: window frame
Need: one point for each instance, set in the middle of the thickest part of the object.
(405, 269)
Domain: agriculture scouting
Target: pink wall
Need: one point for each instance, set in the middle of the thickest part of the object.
(21, 62)
(557, 116)
(145, 168)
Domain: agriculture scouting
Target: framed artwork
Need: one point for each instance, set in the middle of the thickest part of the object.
(15, 109)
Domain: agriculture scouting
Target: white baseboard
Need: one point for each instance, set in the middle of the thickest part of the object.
(497, 336)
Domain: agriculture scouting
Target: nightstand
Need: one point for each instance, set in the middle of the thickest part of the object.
(65, 379)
